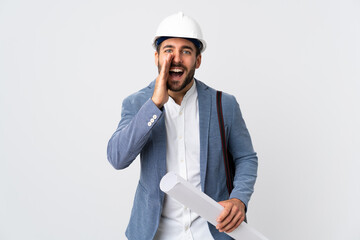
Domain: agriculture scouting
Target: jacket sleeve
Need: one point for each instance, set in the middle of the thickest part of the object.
(244, 156)
(132, 133)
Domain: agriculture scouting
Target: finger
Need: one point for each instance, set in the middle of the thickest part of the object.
(167, 63)
(236, 225)
(222, 226)
(232, 213)
(225, 212)
(228, 223)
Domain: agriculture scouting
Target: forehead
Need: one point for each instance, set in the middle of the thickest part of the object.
(178, 43)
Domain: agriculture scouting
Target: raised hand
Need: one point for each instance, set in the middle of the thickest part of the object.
(161, 95)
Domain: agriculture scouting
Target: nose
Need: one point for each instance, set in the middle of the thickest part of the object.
(177, 57)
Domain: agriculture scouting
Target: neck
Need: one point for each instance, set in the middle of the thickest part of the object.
(178, 96)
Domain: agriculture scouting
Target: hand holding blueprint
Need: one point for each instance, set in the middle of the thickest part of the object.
(179, 189)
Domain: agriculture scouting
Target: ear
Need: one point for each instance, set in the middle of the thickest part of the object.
(198, 61)
(156, 58)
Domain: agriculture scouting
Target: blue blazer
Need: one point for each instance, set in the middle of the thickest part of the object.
(136, 134)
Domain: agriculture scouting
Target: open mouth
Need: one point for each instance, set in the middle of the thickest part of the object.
(176, 72)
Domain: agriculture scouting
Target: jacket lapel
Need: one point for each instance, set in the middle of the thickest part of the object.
(204, 99)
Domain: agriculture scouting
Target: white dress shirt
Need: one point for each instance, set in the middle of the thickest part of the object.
(182, 157)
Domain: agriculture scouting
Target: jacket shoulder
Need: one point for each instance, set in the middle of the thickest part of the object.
(226, 98)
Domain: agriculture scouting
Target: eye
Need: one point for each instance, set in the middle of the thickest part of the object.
(186, 52)
(168, 50)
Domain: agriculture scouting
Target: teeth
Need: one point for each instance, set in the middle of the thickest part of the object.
(176, 70)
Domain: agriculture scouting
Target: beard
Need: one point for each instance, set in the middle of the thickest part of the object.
(188, 78)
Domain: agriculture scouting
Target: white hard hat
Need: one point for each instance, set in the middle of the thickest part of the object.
(179, 25)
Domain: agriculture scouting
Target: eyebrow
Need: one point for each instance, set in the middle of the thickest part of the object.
(183, 47)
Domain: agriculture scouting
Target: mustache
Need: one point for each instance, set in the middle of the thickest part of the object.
(178, 65)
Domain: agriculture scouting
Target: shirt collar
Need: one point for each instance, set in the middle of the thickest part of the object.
(190, 92)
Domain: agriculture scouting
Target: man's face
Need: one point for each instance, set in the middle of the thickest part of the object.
(184, 62)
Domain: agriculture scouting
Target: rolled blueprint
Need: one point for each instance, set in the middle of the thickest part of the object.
(185, 193)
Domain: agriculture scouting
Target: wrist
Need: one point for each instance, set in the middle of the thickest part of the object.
(159, 105)
(240, 203)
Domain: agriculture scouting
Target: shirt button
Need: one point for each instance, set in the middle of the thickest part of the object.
(154, 117)
(186, 227)
(152, 120)
(149, 124)
(180, 113)
(182, 160)
(180, 137)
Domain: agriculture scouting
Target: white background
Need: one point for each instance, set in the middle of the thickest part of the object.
(66, 66)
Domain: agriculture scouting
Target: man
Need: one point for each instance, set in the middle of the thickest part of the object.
(173, 125)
